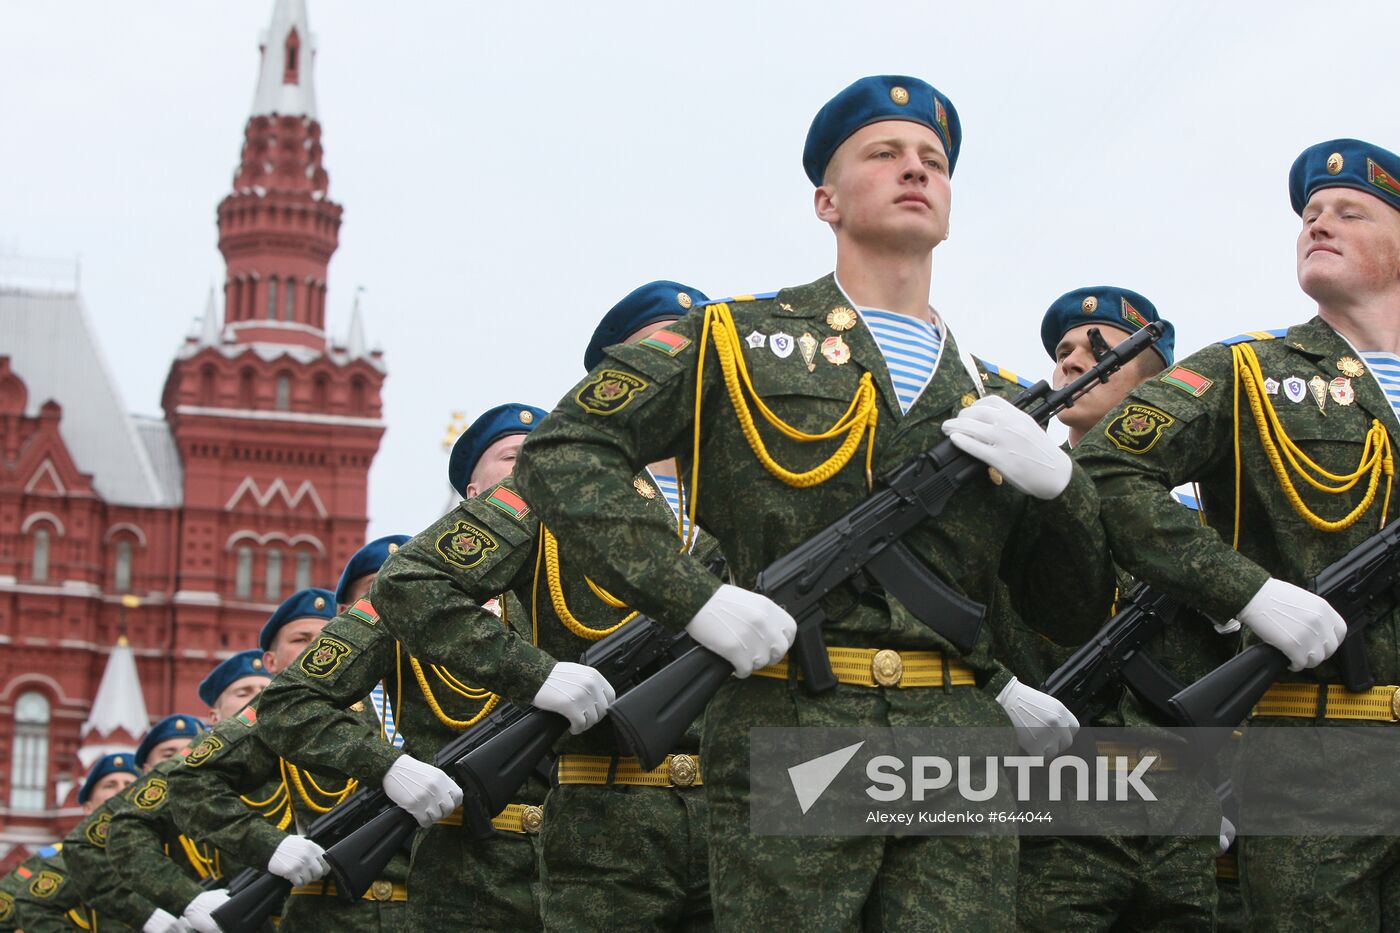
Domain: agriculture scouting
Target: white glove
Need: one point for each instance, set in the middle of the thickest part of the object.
(424, 791)
(1300, 624)
(1227, 834)
(1044, 726)
(578, 693)
(199, 912)
(299, 860)
(1002, 436)
(162, 922)
(748, 630)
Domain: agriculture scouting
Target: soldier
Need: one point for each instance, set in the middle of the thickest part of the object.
(1242, 418)
(11, 885)
(47, 901)
(880, 155)
(236, 793)
(233, 684)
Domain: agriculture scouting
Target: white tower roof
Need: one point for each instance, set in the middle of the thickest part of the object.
(119, 704)
(287, 87)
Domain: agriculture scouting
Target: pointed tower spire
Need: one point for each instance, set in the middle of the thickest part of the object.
(285, 85)
(355, 338)
(209, 327)
(118, 718)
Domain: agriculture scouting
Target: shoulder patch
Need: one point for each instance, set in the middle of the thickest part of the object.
(1138, 428)
(1250, 336)
(7, 906)
(205, 750)
(508, 502)
(666, 341)
(1006, 374)
(364, 611)
(45, 883)
(465, 545)
(97, 830)
(322, 658)
(248, 716)
(609, 392)
(151, 795)
(1187, 380)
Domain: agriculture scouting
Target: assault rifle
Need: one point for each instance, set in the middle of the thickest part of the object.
(1360, 586)
(864, 547)
(489, 762)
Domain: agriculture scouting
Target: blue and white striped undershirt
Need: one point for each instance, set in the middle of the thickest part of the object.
(385, 712)
(1386, 368)
(911, 349)
(671, 491)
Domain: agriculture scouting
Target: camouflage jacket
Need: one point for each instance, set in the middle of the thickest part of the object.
(48, 901)
(1180, 427)
(640, 404)
(11, 884)
(429, 595)
(147, 850)
(85, 854)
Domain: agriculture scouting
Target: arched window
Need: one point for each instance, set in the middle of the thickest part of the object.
(357, 396)
(303, 569)
(274, 575)
(121, 576)
(206, 385)
(272, 299)
(40, 566)
(29, 772)
(284, 392)
(243, 575)
(290, 309)
(320, 392)
(245, 389)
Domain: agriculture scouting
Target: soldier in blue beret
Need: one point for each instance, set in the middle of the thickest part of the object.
(166, 738)
(358, 575)
(233, 683)
(108, 776)
(295, 624)
(646, 309)
(793, 402)
(1253, 420)
(485, 452)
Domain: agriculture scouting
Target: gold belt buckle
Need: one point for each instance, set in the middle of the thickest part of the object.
(531, 819)
(887, 667)
(683, 770)
(382, 890)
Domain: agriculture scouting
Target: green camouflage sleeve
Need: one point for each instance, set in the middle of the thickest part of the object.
(85, 854)
(206, 791)
(577, 467)
(303, 714)
(136, 843)
(430, 596)
(1163, 436)
(42, 906)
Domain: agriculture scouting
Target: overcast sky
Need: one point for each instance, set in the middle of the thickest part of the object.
(508, 171)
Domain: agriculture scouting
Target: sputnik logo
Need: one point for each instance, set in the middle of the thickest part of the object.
(811, 778)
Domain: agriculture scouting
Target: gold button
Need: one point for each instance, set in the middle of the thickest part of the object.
(899, 95)
(1395, 705)
(683, 770)
(1090, 304)
(531, 819)
(967, 399)
(382, 890)
(995, 476)
(887, 667)
(1335, 163)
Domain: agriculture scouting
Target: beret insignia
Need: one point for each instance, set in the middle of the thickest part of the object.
(320, 602)
(97, 830)
(610, 391)
(204, 751)
(322, 658)
(1335, 162)
(526, 417)
(1381, 178)
(45, 884)
(465, 545)
(684, 300)
(151, 795)
(1137, 429)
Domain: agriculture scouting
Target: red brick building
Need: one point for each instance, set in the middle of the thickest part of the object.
(180, 533)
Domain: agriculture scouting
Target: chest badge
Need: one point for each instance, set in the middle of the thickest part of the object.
(841, 318)
(644, 489)
(1318, 387)
(781, 344)
(1341, 391)
(1295, 388)
(808, 343)
(755, 340)
(835, 350)
(1351, 366)
(1271, 386)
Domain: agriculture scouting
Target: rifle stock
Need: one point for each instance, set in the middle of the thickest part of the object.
(254, 896)
(359, 859)
(492, 773)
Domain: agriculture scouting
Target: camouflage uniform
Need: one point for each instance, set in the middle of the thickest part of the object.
(1181, 427)
(50, 902)
(215, 797)
(148, 852)
(639, 406)
(454, 879)
(11, 884)
(85, 854)
(612, 855)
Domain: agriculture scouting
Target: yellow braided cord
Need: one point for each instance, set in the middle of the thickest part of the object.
(604, 596)
(295, 776)
(1375, 455)
(550, 548)
(436, 707)
(858, 421)
(274, 800)
(202, 864)
(457, 686)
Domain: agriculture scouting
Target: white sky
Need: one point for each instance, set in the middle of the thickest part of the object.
(509, 171)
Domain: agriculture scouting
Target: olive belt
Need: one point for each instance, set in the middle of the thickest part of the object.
(1135, 753)
(1227, 866)
(515, 818)
(381, 890)
(1306, 701)
(675, 771)
(886, 667)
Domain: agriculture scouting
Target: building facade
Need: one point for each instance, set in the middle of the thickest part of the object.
(161, 544)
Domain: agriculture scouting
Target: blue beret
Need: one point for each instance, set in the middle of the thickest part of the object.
(367, 560)
(243, 664)
(498, 422)
(655, 301)
(874, 100)
(177, 726)
(1107, 305)
(107, 764)
(312, 601)
(1344, 163)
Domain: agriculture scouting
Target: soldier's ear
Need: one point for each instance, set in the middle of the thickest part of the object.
(824, 202)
